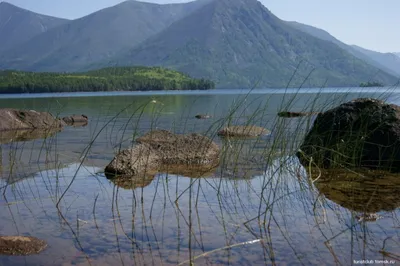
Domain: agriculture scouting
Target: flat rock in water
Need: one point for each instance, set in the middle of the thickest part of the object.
(21, 245)
(361, 133)
(243, 131)
(160, 148)
(14, 119)
(76, 120)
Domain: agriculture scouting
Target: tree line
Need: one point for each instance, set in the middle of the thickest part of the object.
(107, 79)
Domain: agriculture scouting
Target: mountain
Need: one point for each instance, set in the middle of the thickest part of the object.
(240, 43)
(388, 59)
(384, 61)
(94, 37)
(398, 54)
(237, 43)
(18, 25)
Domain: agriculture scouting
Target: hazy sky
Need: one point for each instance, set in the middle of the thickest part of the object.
(368, 23)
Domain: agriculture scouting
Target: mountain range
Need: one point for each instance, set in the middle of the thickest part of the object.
(385, 61)
(18, 25)
(236, 43)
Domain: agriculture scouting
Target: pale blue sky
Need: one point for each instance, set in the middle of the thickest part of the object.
(372, 24)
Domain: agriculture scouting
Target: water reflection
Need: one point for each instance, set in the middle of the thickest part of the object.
(26, 135)
(361, 190)
(144, 179)
(171, 219)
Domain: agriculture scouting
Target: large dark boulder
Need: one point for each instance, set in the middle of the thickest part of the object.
(361, 133)
(160, 149)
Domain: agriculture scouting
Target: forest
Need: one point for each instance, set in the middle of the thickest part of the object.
(106, 79)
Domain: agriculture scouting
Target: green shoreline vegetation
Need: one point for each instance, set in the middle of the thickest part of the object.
(106, 79)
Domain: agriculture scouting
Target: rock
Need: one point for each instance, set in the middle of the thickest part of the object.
(361, 133)
(160, 148)
(14, 119)
(243, 131)
(21, 245)
(288, 114)
(203, 116)
(76, 120)
(133, 162)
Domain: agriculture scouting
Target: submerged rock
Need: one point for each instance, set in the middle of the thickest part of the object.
(76, 120)
(203, 116)
(21, 245)
(361, 133)
(14, 119)
(243, 131)
(288, 114)
(242, 159)
(160, 148)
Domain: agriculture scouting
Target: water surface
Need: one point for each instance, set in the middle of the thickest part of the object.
(259, 207)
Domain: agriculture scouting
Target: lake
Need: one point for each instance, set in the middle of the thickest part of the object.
(260, 206)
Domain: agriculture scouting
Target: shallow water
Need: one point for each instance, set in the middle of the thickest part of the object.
(259, 207)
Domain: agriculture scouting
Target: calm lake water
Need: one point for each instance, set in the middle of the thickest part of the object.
(259, 207)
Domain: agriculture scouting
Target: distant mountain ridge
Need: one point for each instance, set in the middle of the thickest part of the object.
(95, 37)
(390, 60)
(385, 61)
(241, 43)
(237, 43)
(18, 25)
